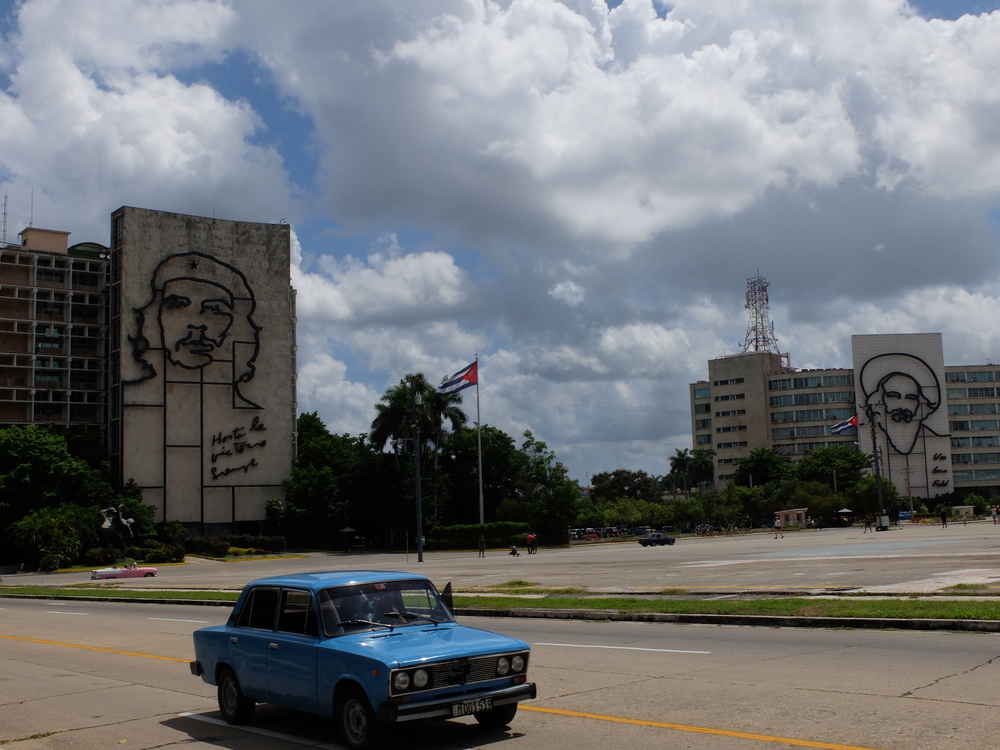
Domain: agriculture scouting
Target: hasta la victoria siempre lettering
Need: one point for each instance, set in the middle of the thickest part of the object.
(232, 442)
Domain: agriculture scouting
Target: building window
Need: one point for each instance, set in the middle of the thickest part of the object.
(731, 397)
(703, 424)
(782, 401)
(961, 442)
(702, 408)
(731, 381)
(811, 382)
(731, 413)
(704, 440)
(958, 410)
(986, 376)
(834, 380)
(961, 458)
(839, 396)
(957, 393)
(807, 415)
(982, 392)
(984, 408)
(804, 399)
(954, 377)
(739, 444)
(702, 392)
(985, 424)
(733, 428)
(779, 385)
(988, 441)
(783, 433)
(958, 426)
(986, 458)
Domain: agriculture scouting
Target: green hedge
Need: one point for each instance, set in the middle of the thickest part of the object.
(466, 536)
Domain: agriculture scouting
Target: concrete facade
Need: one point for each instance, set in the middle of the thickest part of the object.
(53, 333)
(202, 365)
(937, 427)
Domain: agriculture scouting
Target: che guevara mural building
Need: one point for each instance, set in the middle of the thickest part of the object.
(201, 406)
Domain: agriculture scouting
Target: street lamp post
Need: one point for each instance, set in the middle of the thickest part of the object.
(883, 519)
(416, 399)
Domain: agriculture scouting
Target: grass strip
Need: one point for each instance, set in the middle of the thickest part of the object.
(791, 607)
(108, 593)
(788, 607)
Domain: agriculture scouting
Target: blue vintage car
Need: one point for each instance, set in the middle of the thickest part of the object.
(366, 648)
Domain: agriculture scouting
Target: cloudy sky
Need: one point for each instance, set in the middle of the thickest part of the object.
(576, 193)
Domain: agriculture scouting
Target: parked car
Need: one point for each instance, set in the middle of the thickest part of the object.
(125, 572)
(365, 648)
(656, 538)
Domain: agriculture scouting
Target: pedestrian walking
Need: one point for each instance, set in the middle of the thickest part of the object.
(482, 546)
(868, 524)
(944, 518)
(993, 512)
(777, 528)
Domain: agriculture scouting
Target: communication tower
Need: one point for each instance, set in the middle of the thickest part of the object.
(760, 329)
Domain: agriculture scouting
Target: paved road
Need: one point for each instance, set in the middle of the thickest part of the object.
(96, 675)
(908, 559)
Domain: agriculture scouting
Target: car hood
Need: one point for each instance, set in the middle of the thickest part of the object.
(417, 644)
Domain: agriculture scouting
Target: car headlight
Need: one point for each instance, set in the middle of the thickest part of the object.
(401, 681)
(420, 678)
(503, 666)
(517, 663)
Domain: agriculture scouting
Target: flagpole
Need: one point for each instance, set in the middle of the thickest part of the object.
(479, 442)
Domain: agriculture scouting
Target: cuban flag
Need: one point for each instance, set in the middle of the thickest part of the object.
(841, 426)
(461, 380)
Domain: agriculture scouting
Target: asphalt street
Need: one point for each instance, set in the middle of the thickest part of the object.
(920, 559)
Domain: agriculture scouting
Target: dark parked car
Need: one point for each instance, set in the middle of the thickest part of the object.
(366, 648)
(656, 538)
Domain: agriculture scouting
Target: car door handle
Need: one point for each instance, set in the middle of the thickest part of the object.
(234, 639)
(273, 646)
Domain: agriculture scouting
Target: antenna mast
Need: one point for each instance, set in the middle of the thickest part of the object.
(760, 328)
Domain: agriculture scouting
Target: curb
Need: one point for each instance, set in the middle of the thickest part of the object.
(610, 615)
(759, 621)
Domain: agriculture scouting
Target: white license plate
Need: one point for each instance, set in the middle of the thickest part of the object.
(467, 708)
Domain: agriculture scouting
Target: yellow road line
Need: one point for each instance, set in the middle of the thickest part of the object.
(93, 648)
(525, 707)
(699, 730)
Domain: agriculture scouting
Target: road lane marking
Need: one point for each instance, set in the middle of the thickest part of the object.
(63, 612)
(698, 730)
(623, 648)
(538, 709)
(171, 619)
(92, 648)
(299, 741)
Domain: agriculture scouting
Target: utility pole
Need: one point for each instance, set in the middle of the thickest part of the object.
(416, 400)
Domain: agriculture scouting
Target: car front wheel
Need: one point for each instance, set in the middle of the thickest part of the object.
(356, 720)
(235, 707)
(498, 717)
(148, 575)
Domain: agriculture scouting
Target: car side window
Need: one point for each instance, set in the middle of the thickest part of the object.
(259, 609)
(297, 614)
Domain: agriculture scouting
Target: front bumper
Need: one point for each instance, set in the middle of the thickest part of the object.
(392, 713)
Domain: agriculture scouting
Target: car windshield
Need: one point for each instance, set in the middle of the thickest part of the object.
(383, 605)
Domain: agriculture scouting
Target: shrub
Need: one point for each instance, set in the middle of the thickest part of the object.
(51, 561)
(98, 556)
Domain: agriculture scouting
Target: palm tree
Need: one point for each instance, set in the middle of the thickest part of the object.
(701, 466)
(680, 466)
(394, 421)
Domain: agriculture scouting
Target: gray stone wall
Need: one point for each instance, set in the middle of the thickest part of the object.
(203, 341)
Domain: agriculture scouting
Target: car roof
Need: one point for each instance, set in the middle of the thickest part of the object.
(328, 578)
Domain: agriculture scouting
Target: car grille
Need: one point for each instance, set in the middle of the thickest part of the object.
(463, 671)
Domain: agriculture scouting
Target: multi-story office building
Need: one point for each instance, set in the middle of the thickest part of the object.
(53, 332)
(937, 427)
(175, 345)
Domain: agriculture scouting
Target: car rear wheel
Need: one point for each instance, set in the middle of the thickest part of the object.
(235, 707)
(498, 717)
(356, 720)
